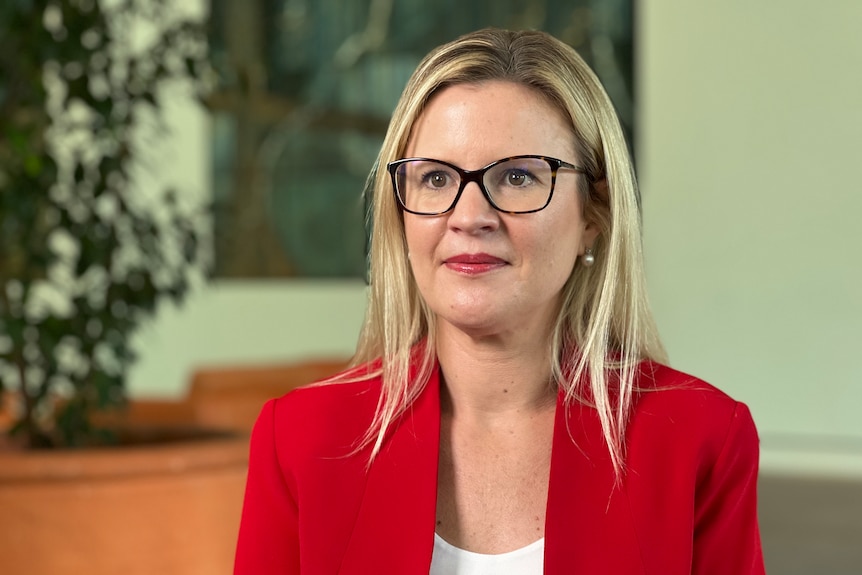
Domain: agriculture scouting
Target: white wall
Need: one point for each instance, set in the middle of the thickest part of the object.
(241, 322)
(749, 150)
(751, 115)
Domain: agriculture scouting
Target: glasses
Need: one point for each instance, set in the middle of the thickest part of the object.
(516, 185)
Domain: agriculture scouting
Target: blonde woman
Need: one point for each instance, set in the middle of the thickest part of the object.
(509, 410)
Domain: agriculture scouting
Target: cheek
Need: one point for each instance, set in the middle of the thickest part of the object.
(559, 256)
(559, 244)
(419, 235)
(412, 235)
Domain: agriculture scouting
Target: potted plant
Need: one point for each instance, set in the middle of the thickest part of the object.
(86, 256)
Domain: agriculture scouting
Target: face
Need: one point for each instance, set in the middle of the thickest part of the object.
(482, 271)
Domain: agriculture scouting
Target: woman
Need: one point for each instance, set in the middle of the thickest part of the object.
(509, 411)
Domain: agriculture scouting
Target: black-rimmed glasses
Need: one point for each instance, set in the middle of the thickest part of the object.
(515, 185)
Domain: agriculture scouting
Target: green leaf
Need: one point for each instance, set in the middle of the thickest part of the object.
(33, 165)
(33, 206)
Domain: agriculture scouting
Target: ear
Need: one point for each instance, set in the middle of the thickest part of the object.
(594, 213)
(588, 236)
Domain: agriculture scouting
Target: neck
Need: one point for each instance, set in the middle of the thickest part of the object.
(485, 378)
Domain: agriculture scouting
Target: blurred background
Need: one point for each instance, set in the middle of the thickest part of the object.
(745, 118)
(747, 137)
(746, 121)
(305, 90)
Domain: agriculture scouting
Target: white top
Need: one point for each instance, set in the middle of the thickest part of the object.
(450, 560)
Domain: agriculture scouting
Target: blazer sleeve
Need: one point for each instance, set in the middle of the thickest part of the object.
(726, 532)
(268, 536)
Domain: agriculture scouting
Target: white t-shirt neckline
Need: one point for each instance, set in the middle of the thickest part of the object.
(450, 560)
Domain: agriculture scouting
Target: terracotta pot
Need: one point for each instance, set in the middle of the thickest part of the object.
(169, 506)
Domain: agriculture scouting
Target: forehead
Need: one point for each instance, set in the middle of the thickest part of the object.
(472, 125)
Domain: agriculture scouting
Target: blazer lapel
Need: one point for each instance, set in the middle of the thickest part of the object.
(587, 510)
(588, 526)
(394, 530)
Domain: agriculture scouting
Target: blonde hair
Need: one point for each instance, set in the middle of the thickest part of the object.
(604, 328)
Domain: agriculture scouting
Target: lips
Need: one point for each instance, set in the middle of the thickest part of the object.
(473, 264)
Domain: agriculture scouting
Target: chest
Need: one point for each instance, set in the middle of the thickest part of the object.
(492, 489)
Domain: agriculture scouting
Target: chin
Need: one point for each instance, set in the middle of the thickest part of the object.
(476, 323)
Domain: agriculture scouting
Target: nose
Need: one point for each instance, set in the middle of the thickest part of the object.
(473, 212)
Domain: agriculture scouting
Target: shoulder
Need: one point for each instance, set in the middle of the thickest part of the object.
(342, 393)
(659, 388)
(686, 417)
(325, 418)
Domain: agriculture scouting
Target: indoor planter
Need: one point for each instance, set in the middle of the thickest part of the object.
(168, 505)
(85, 258)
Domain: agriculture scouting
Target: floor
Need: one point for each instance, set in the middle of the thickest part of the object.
(811, 526)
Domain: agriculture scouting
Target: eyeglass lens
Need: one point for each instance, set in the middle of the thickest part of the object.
(514, 185)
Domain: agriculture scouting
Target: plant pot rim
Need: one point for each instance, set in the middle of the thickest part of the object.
(190, 450)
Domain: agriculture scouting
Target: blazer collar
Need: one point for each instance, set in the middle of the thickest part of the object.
(588, 523)
(394, 530)
(587, 510)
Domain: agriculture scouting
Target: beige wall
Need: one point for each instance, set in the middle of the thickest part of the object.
(749, 150)
(240, 322)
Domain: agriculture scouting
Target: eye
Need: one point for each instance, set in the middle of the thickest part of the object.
(437, 179)
(518, 178)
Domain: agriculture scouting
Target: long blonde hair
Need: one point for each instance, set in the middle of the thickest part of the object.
(604, 328)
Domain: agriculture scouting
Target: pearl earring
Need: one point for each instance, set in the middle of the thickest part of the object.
(588, 258)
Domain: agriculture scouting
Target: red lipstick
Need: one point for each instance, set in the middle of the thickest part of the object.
(474, 264)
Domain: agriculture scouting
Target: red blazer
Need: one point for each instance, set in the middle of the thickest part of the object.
(687, 504)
